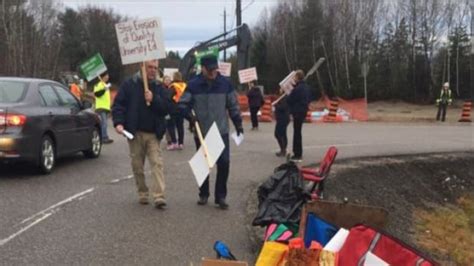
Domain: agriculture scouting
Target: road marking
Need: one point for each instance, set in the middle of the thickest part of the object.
(78, 195)
(22, 230)
(113, 181)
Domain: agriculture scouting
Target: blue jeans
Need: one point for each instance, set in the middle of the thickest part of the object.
(103, 124)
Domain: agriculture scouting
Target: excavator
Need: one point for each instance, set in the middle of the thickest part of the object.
(240, 37)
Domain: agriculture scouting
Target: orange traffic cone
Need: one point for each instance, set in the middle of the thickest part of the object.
(466, 112)
(333, 106)
(266, 111)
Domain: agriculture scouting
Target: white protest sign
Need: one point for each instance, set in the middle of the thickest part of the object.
(247, 75)
(140, 40)
(169, 72)
(199, 166)
(215, 146)
(215, 143)
(225, 68)
(287, 83)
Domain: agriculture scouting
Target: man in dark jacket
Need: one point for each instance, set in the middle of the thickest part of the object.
(142, 113)
(298, 101)
(213, 99)
(255, 99)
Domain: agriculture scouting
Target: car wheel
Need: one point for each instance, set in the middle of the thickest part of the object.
(47, 156)
(96, 145)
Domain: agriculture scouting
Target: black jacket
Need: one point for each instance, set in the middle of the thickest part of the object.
(298, 100)
(126, 104)
(255, 97)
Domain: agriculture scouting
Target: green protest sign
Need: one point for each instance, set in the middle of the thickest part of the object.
(93, 67)
(198, 55)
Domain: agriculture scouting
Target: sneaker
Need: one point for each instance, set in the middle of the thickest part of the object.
(160, 203)
(180, 147)
(296, 159)
(280, 154)
(171, 147)
(222, 204)
(143, 200)
(107, 141)
(202, 201)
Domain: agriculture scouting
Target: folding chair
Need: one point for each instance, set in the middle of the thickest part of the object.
(316, 177)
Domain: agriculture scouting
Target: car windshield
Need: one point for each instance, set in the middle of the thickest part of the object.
(12, 91)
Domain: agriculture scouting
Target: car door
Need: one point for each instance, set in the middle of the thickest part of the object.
(82, 129)
(61, 123)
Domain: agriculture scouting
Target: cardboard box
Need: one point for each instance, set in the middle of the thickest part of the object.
(216, 262)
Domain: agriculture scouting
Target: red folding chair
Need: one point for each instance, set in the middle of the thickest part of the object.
(316, 177)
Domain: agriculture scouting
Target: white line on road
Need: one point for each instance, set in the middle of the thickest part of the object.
(78, 195)
(22, 230)
(113, 181)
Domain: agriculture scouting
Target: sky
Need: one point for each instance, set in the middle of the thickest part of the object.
(185, 22)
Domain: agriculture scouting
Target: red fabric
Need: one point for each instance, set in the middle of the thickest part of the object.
(387, 248)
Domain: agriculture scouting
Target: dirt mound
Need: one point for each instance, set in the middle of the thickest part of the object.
(400, 184)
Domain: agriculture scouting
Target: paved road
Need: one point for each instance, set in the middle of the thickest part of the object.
(86, 212)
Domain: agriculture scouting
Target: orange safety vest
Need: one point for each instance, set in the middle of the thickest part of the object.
(179, 88)
(76, 91)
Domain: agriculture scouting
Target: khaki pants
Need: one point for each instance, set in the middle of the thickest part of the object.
(146, 145)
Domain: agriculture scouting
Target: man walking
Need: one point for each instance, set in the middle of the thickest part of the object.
(213, 99)
(143, 114)
(255, 100)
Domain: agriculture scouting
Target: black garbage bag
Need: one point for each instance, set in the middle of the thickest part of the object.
(281, 197)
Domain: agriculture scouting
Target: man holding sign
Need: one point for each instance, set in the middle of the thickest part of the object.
(213, 99)
(142, 113)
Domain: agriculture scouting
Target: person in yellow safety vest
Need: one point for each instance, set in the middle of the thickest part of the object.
(443, 101)
(178, 87)
(102, 104)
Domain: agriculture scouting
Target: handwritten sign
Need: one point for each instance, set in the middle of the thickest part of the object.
(287, 83)
(169, 72)
(225, 68)
(140, 40)
(247, 75)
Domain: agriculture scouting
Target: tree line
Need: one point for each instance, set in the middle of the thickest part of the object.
(410, 47)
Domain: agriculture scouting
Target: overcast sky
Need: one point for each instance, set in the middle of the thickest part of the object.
(185, 22)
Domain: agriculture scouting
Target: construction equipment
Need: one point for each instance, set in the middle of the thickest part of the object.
(240, 36)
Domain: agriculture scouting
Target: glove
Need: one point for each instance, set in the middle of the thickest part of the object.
(240, 130)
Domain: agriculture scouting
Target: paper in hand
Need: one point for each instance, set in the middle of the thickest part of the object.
(127, 134)
(238, 139)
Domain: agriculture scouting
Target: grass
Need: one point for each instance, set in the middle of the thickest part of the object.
(448, 231)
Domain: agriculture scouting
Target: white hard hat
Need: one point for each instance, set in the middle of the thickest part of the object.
(446, 84)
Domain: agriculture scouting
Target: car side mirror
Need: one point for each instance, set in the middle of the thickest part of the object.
(86, 104)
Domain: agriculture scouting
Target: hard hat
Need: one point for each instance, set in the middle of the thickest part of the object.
(446, 84)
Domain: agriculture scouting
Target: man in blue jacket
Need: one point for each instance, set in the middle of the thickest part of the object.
(213, 99)
(131, 112)
(298, 102)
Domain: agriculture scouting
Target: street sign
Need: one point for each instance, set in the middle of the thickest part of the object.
(140, 40)
(248, 75)
(93, 67)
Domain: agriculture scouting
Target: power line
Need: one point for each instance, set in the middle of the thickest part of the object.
(249, 4)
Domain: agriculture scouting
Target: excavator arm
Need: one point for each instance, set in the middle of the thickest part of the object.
(239, 37)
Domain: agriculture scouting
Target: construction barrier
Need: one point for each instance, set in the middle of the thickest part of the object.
(466, 112)
(266, 111)
(332, 116)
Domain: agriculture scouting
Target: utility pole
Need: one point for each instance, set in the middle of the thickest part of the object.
(225, 33)
(238, 12)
